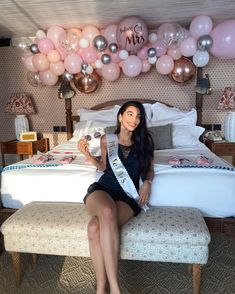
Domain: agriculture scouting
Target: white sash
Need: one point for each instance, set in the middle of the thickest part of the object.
(119, 169)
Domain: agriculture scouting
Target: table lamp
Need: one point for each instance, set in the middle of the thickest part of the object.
(20, 104)
(227, 102)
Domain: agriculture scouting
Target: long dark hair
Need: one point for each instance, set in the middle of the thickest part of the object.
(141, 137)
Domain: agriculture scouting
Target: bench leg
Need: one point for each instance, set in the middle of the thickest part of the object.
(16, 266)
(196, 271)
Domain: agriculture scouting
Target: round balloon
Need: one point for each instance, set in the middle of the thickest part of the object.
(86, 84)
(100, 43)
(132, 34)
(204, 42)
(183, 70)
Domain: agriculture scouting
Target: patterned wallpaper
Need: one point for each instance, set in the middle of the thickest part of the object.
(51, 111)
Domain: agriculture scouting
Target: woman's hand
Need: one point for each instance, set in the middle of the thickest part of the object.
(83, 146)
(144, 193)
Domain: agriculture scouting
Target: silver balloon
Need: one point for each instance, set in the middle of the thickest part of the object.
(66, 91)
(105, 58)
(34, 48)
(151, 52)
(67, 77)
(84, 66)
(205, 42)
(113, 47)
(100, 43)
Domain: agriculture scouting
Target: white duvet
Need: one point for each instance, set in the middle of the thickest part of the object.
(212, 190)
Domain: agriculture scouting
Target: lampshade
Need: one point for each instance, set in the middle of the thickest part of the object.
(20, 104)
(227, 101)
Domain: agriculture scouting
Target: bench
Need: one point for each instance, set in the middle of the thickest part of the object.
(164, 234)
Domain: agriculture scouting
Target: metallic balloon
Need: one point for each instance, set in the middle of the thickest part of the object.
(205, 42)
(100, 43)
(34, 48)
(113, 47)
(151, 52)
(66, 91)
(84, 66)
(105, 58)
(183, 70)
(86, 83)
(67, 77)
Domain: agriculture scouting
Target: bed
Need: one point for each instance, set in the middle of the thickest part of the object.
(188, 183)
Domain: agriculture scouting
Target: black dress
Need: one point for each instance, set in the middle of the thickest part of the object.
(109, 183)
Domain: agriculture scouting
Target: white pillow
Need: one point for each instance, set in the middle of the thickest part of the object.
(185, 135)
(101, 115)
(163, 114)
(148, 111)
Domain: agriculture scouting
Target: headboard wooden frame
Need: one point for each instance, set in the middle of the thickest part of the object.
(70, 118)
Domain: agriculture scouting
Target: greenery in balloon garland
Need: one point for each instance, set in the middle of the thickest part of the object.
(83, 56)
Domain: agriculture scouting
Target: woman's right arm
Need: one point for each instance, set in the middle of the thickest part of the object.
(83, 146)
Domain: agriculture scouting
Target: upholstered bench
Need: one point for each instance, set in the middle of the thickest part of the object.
(165, 234)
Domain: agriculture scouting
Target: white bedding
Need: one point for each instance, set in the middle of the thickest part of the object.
(209, 189)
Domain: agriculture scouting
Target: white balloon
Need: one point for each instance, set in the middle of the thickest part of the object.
(40, 34)
(201, 58)
(83, 43)
(152, 38)
(98, 63)
(152, 60)
(123, 54)
(89, 69)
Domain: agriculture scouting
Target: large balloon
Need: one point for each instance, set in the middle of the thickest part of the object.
(132, 66)
(183, 70)
(86, 83)
(170, 33)
(201, 25)
(223, 36)
(132, 34)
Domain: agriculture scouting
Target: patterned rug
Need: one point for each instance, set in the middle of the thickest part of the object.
(57, 274)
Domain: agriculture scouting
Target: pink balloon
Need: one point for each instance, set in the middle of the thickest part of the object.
(53, 34)
(90, 32)
(115, 57)
(88, 54)
(132, 34)
(145, 66)
(188, 47)
(45, 45)
(160, 47)
(40, 62)
(174, 52)
(132, 66)
(57, 68)
(110, 34)
(165, 64)
(200, 25)
(72, 63)
(143, 53)
(48, 78)
(28, 62)
(223, 36)
(53, 56)
(111, 71)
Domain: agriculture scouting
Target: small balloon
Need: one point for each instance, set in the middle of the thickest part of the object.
(123, 54)
(67, 77)
(86, 84)
(34, 48)
(105, 58)
(152, 38)
(34, 79)
(151, 52)
(204, 42)
(98, 63)
(84, 66)
(152, 60)
(183, 70)
(100, 43)
(113, 47)
(89, 69)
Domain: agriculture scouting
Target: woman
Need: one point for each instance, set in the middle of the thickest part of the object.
(107, 200)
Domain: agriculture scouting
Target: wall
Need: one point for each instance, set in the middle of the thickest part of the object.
(51, 112)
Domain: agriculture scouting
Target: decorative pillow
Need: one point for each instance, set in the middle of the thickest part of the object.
(163, 114)
(101, 115)
(184, 135)
(162, 136)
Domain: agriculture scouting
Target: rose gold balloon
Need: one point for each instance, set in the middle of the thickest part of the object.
(183, 70)
(86, 83)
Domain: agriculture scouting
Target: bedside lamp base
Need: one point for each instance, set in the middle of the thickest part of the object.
(21, 125)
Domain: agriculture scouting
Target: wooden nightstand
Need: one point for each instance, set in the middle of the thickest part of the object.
(223, 148)
(23, 148)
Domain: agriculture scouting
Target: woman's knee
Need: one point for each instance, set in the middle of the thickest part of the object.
(93, 231)
(108, 213)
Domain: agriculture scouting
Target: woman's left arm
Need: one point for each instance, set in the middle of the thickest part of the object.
(145, 188)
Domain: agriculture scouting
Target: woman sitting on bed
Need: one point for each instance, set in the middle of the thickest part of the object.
(126, 156)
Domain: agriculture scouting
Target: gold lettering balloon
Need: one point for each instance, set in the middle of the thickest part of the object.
(86, 83)
(183, 70)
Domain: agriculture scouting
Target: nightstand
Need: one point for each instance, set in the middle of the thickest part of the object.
(23, 148)
(223, 148)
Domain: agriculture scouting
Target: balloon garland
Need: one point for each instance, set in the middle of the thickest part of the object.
(85, 55)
